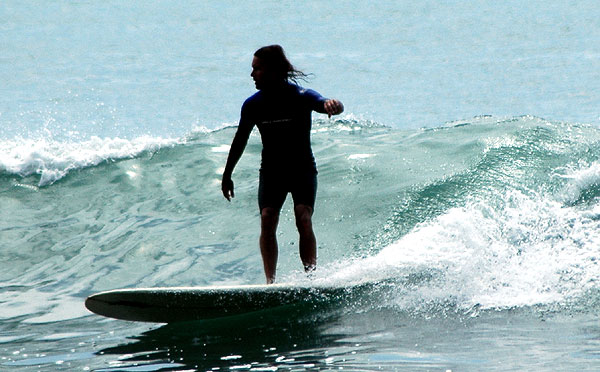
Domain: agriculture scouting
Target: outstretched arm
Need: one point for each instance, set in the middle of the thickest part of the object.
(235, 153)
(324, 105)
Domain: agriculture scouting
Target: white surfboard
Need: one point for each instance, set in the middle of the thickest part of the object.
(177, 304)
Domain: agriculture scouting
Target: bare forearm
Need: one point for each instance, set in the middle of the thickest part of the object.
(235, 153)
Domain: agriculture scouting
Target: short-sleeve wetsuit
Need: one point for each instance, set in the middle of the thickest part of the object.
(283, 118)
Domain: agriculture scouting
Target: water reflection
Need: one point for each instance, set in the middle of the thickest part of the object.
(293, 338)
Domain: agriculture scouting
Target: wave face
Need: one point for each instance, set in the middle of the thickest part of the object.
(490, 213)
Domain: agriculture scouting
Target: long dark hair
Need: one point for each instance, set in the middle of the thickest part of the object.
(277, 63)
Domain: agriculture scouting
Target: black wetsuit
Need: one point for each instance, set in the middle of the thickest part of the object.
(283, 117)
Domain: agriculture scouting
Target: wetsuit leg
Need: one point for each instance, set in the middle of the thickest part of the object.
(304, 190)
(272, 191)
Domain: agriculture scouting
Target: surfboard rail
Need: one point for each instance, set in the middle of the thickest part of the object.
(176, 304)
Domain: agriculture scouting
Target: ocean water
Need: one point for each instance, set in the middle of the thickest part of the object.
(462, 184)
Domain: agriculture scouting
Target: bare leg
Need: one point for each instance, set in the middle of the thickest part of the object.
(308, 241)
(269, 218)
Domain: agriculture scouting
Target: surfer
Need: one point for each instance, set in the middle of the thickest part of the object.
(281, 110)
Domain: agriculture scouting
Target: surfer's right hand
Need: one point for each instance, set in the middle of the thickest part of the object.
(227, 188)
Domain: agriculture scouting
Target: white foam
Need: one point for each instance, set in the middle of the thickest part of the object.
(52, 159)
(359, 156)
(580, 180)
(528, 250)
(221, 149)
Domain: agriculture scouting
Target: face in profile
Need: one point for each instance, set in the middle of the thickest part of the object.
(261, 76)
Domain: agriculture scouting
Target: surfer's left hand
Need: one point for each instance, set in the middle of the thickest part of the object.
(333, 107)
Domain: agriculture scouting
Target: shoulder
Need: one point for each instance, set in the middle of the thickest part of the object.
(251, 101)
(253, 98)
(309, 94)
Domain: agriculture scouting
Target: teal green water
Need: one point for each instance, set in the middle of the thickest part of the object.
(476, 228)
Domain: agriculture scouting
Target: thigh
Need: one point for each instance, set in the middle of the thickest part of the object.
(304, 190)
(271, 192)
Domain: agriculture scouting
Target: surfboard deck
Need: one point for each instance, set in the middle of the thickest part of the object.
(178, 304)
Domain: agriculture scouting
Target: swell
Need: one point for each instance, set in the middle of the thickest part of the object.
(493, 193)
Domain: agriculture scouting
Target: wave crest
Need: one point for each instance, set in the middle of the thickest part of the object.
(53, 160)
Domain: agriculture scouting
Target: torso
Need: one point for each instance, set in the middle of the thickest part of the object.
(283, 118)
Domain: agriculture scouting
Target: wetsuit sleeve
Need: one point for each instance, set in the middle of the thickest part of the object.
(315, 101)
(239, 140)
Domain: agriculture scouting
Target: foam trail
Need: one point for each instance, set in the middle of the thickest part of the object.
(530, 251)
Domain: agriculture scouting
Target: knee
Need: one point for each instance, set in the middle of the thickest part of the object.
(269, 218)
(303, 217)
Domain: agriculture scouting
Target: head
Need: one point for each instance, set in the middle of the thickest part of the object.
(270, 67)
